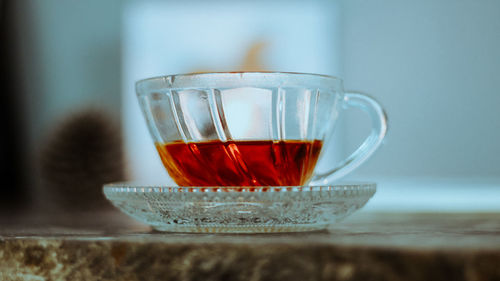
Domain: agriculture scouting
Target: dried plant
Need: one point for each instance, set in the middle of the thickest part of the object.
(83, 153)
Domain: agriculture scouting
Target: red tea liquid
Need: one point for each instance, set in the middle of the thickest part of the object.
(240, 163)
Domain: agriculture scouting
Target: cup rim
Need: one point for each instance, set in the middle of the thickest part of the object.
(172, 80)
(194, 74)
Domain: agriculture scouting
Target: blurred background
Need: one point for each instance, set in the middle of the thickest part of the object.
(72, 123)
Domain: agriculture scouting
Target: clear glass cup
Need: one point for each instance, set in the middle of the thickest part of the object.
(251, 128)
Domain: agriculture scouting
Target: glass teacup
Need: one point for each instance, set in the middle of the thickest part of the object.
(251, 128)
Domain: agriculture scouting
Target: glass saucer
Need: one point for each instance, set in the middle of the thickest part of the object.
(239, 209)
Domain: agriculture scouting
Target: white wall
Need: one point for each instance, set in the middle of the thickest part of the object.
(435, 66)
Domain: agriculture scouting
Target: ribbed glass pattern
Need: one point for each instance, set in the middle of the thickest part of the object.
(233, 109)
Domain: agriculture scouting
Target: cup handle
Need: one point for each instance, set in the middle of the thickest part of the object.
(366, 149)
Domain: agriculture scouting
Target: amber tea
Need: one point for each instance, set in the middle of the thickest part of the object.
(240, 163)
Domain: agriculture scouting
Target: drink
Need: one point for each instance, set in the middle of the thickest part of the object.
(240, 163)
(298, 109)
